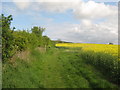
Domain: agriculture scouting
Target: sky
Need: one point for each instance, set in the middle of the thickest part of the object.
(79, 21)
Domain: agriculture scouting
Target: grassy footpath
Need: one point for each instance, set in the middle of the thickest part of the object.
(56, 68)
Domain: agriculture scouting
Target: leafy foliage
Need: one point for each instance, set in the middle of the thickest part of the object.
(7, 37)
(13, 41)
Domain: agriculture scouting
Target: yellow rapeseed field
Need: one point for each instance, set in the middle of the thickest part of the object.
(111, 49)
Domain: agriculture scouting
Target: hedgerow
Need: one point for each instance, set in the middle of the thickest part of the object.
(19, 40)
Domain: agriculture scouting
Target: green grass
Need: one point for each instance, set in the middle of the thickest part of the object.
(105, 63)
(78, 74)
(56, 68)
(22, 74)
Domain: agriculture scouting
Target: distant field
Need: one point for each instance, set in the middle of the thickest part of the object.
(106, 48)
(104, 57)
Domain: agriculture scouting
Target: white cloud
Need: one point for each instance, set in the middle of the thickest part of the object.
(58, 0)
(57, 6)
(95, 33)
(82, 10)
(87, 31)
(87, 13)
(23, 4)
(92, 10)
(86, 22)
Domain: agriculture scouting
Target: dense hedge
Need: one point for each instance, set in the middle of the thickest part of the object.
(13, 41)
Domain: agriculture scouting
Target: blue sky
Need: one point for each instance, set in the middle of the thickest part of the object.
(64, 20)
(25, 20)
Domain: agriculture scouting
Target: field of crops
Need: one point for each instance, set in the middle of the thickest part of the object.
(106, 48)
(103, 56)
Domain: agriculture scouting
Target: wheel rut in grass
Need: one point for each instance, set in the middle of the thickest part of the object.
(68, 70)
(58, 72)
(51, 69)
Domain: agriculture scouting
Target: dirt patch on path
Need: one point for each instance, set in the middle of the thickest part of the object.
(23, 55)
(41, 49)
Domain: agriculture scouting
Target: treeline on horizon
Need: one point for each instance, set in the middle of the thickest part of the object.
(13, 41)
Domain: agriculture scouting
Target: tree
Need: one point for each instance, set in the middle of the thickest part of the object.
(38, 31)
(46, 41)
(7, 37)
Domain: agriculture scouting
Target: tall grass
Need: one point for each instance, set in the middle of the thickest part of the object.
(79, 74)
(106, 63)
(22, 73)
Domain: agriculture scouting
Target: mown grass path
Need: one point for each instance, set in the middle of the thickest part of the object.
(51, 69)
